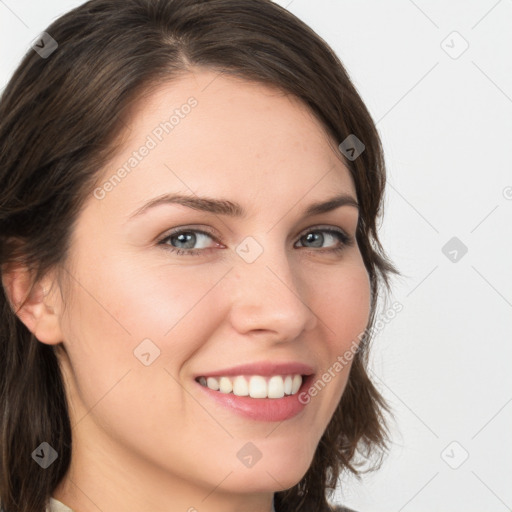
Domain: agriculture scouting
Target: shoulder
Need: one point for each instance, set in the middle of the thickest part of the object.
(341, 509)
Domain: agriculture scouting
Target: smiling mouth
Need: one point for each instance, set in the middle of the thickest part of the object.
(255, 386)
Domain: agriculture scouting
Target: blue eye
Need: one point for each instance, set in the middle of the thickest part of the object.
(184, 242)
(318, 238)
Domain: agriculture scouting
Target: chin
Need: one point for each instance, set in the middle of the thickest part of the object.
(273, 475)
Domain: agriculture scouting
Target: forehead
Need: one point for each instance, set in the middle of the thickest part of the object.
(209, 133)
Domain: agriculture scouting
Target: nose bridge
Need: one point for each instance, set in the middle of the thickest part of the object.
(267, 293)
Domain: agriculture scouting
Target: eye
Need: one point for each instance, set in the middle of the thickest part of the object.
(194, 242)
(184, 241)
(318, 237)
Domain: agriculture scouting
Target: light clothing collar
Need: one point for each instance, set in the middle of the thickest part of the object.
(57, 506)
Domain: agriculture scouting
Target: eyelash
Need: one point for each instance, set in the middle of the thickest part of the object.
(342, 237)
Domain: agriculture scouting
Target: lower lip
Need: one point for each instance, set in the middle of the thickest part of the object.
(261, 409)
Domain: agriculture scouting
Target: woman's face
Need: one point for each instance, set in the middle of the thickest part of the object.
(147, 312)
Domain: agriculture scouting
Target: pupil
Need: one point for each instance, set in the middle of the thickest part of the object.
(181, 237)
(312, 236)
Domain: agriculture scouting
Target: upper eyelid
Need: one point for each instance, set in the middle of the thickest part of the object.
(177, 231)
(213, 235)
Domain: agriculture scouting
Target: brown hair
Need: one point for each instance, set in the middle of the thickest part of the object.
(60, 120)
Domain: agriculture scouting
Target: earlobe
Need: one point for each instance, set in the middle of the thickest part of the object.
(32, 304)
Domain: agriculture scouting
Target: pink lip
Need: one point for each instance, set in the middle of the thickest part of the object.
(263, 368)
(262, 409)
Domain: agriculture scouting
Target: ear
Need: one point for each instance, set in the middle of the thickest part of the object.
(36, 306)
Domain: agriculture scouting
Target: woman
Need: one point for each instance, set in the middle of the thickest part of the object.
(189, 193)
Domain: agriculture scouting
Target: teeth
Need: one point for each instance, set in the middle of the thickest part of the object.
(255, 386)
(212, 383)
(225, 385)
(276, 387)
(258, 387)
(297, 381)
(240, 386)
(288, 385)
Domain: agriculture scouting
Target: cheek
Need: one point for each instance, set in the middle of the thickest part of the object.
(343, 302)
(167, 302)
(116, 309)
(125, 301)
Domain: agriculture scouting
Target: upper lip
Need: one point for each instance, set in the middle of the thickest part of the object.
(263, 368)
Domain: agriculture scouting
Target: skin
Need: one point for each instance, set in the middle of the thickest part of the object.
(145, 437)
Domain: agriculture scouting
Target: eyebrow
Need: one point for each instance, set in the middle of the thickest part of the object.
(232, 209)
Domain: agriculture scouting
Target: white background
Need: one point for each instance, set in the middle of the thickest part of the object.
(446, 124)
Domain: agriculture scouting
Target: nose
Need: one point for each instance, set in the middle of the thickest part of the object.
(270, 295)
